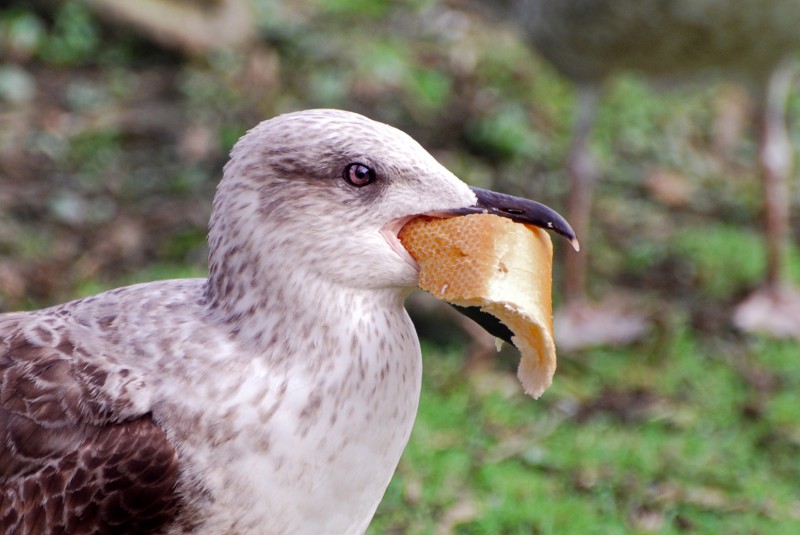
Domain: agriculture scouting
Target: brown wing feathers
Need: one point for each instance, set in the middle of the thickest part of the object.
(60, 470)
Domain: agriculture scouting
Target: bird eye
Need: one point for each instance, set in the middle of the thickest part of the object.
(358, 175)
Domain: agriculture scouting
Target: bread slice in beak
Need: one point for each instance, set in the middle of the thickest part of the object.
(502, 267)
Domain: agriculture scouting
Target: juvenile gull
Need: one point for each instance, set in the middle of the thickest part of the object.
(274, 397)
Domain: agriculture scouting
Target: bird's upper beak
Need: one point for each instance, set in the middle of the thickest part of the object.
(518, 209)
(490, 202)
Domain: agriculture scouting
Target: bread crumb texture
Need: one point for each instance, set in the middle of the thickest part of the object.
(503, 267)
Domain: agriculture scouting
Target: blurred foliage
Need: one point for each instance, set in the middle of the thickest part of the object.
(73, 37)
(111, 146)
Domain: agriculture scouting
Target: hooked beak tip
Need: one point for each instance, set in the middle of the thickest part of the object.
(522, 211)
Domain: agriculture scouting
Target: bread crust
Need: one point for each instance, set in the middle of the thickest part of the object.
(503, 267)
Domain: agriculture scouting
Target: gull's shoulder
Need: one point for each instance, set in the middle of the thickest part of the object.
(112, 318)
(176, 297)
(104, 349)
(78, 446)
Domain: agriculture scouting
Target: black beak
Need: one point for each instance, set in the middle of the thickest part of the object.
(489, 323)
(520, 210)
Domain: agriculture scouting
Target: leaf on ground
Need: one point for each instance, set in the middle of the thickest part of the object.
(464, 510)
(670, 188)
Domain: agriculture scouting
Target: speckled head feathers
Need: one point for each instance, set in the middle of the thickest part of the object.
(284, 189)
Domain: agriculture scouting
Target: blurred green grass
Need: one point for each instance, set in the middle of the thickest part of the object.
(693, 430)
(693, 438)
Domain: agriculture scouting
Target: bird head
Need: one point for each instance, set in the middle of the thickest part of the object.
(326, 191)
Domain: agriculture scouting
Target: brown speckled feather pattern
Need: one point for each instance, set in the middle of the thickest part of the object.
(66, 465)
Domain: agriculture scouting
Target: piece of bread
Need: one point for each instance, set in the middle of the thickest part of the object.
(503, 267)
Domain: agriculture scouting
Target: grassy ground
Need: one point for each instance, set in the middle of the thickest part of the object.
(114, 145)
(690, 436)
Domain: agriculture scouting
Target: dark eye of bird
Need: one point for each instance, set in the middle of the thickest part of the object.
(358, 175)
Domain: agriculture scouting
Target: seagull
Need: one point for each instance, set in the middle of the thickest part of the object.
(589, 41)
(273, 397)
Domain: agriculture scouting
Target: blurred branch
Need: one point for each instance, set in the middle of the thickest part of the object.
(195, 27)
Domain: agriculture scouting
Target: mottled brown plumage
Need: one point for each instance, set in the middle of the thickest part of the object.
(69, 463)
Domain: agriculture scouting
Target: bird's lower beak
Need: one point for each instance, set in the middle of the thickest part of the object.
(518, 209)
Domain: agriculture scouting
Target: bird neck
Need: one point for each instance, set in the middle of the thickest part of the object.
(295, 306)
